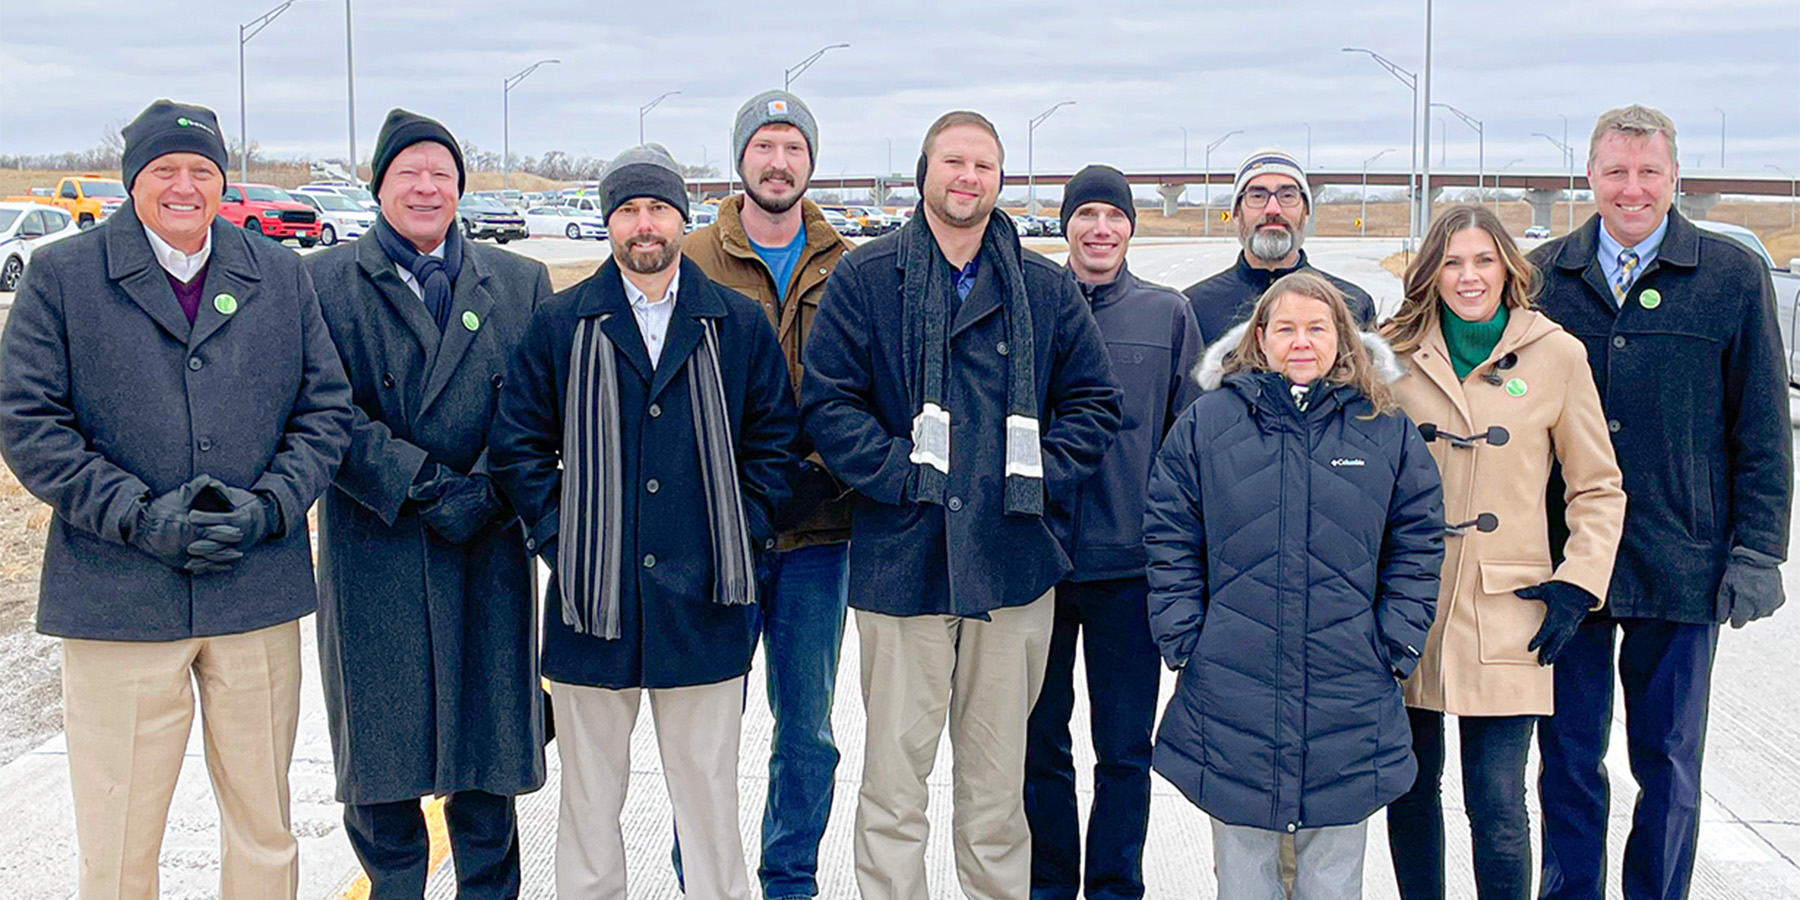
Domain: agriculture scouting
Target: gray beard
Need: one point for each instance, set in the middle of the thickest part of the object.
(661, 261)
(1271, 245)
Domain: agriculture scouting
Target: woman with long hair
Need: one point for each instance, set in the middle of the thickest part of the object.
(1295, 534)
(1504, 397)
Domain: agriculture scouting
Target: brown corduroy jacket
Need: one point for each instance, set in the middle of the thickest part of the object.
(723, 252)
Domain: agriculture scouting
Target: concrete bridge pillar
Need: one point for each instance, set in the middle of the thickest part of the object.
(1171, 194)
(1543, 205)
(1696, 206)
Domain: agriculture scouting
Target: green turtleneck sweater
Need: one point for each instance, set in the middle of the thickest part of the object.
(1470, 342)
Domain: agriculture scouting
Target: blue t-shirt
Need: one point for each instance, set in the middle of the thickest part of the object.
(781, 261)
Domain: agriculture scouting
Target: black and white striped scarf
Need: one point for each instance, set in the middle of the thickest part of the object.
(589, 564)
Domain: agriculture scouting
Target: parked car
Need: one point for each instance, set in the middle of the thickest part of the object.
(1027, 226)
(1048, 226)
(844, 226)
(1537, 232)
(588, 203)
(270, 212)
(483, 218)
(357, 194)
(874, 220)
(90, 199)
(542, 221)
(24, 227)
(339, 216)
(1787, 288)
(701, 215)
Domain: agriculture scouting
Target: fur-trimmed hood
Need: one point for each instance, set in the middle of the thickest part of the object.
(1209, 373)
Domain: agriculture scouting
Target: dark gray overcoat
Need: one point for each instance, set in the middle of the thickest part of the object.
(427, 648)
(108, 395)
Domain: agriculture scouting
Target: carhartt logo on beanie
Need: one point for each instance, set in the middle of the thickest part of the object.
(772, 108)
(166, 127)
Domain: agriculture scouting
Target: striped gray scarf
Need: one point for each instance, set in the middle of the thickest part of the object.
(589, 566)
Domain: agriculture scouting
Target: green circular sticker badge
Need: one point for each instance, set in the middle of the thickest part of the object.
(1650, 299)
(225, 304)
(471, 321)
(1516, 387)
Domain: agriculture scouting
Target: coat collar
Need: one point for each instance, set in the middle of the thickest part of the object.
(1579, 254)
(1250, 274)
(1432, 357)
(471, 301)
(820, 236)
(130, 261)
(603, 293)
(1209, 372)
(383, 273)
(1100, 296)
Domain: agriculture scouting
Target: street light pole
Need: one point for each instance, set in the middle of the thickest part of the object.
(788, 75)
(1569, 157)
(1721, 112)
(1425, 155)
(1411, 81)
(506, 86)
(1031, 204)
(1207, 165)
(648, 107)
(1308, 144)
(1793, 191)
(247, 31)
(350, 87)
(1362, 219)
(1502, 171)
(1480, 146)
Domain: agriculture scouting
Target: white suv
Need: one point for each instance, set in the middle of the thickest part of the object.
(340, 218)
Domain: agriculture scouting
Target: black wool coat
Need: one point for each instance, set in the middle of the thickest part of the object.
(427, 648)
(968, 556)
(108, 396)
(1696, 398)
(672, 633)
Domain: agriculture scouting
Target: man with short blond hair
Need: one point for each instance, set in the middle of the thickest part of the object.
(948, 327)
(169, 388)
(1681, 333)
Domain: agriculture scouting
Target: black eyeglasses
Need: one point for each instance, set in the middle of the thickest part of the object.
(1287, 196)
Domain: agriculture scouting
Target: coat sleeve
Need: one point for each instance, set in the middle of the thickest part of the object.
(1083, 397)
(1175, 543)
(1412, 553)
(837, 395)
(1759, 438)
(768, 432)
(318, 424)
(1184, 388)
(525, 438)
(1593, 489)
(38, 432)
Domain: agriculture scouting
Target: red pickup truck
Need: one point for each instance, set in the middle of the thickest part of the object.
(269, 211)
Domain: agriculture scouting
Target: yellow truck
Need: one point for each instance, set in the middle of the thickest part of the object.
(89, 198)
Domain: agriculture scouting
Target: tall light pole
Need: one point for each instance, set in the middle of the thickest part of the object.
(350, 87)
(506, 87)
(788, 75)
(1031, 206)
(1308, 144)
(247, 31)
(1569, 157)
(1207, 165)
(1793, 191)
(1480, 145)
(1502, 171)
(1411, 81)
(1362, 220)
(648, 107)
(1425, 151)
(1721, 112)
(1443, 140)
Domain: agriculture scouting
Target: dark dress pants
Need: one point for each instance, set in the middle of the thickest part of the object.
(1493, 777)
(395, 850)
(1665, 669)
(1123, 672)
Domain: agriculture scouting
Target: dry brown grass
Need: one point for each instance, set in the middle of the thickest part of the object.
(22, 526)
(1396, 264)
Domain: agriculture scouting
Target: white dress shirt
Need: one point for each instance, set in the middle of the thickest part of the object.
(184, 266)
(652, 317)
(406, 275)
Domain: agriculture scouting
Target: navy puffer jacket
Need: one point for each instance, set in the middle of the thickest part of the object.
(1294, 561)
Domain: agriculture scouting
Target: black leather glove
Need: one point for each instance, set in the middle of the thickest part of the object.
(235, 517)
(161, 526)
(1751, 587)
(456, 506)
(1565, 605)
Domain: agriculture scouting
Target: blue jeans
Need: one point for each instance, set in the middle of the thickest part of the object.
(1123, 672)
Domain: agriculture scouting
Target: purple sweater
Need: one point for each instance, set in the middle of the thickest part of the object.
(188, 293)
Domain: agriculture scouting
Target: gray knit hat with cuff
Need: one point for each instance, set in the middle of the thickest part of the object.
(643, 171)
(1269, 161)
(772, 108)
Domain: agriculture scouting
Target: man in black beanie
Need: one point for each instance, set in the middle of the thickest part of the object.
(169, 388)
(1153, 340)
(426, 625)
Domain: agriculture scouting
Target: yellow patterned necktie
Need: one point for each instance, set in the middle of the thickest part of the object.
(1628, 261)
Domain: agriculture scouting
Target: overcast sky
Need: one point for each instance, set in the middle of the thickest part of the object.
(1139, 71)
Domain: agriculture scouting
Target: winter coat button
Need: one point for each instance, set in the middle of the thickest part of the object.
(387, 379)
(1001, 348)
(1619, 341)
(498, 381)
(655, 411)
(1612, 425)
(531, 544)
(652, 485)
(768, 543)
(649, 560)
(194, 363)
(956, 504)
(1290, 828)
(205, 444)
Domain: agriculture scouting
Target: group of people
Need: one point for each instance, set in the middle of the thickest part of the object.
(1336, 531)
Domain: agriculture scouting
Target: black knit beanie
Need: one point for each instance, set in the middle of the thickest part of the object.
(404, 129)
(1098, 184)
(646, 171)
(166, 127)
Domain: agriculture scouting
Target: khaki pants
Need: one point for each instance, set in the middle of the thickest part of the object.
(127, 710)
(985, 676)
(697, 731)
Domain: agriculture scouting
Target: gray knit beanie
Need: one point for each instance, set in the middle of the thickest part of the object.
(644, 171)
(1269, 161)
(772, 108)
